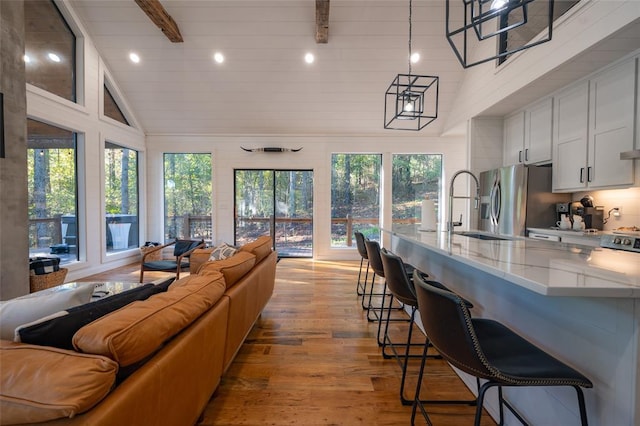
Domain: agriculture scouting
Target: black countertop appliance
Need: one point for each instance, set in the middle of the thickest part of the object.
(591, 215)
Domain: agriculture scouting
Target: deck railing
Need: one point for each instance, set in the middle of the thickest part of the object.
(44, 232)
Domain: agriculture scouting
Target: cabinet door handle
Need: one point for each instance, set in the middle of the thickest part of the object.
(520, 156)
(526, 154)
(581, 174)
(589, 174)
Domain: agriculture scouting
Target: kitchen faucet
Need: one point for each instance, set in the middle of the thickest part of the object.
(451, 224)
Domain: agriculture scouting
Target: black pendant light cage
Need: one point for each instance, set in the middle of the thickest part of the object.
(482, 20)
(411, 101)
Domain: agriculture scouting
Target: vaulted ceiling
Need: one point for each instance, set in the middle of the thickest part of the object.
(264, 85)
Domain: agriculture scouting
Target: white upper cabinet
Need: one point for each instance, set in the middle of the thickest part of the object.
(611, 118)
(570, 138)
(527, 134)
(513, 139)
(538, 130)
(593, 124)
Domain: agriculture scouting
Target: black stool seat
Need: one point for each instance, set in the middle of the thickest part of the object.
(514, 360)
(488, 350)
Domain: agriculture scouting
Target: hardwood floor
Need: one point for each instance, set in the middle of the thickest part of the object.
(313, 359)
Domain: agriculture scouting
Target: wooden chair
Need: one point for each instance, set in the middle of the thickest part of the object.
(182, 250)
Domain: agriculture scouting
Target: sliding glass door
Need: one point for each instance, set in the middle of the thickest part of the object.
(278, 203)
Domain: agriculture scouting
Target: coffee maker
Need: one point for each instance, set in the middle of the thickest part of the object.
(562, 209)
(593, 216)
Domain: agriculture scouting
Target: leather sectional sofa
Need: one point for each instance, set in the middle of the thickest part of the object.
(173, 346)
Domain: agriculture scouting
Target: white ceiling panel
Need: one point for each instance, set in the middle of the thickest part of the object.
(264, 86)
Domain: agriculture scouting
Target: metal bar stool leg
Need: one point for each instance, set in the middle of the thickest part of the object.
(420, 403)
(360, 285)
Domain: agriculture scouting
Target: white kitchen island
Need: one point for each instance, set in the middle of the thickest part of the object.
(581, 304)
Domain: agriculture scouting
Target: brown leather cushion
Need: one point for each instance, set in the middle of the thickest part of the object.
(136, 331)
(261, 247)
(198, 257)
(40, 383)
(233, 268)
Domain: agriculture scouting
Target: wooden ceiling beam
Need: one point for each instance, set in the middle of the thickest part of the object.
(157, 13)
(322, 21)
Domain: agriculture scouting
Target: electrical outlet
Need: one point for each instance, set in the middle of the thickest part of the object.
(616, 212)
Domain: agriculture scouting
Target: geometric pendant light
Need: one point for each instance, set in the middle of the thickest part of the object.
(411, 101)
(491, 22)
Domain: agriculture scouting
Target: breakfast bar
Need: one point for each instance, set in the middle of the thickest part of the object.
(579, 303)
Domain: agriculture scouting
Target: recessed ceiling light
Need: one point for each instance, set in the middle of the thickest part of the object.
(218, 57)
(26, 59)
(134, 57)
(54, 57)
(415, 57)
(309, 58)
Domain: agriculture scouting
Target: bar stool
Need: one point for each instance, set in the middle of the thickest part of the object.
(373, 252)
(487, 350)
(361, 286)
(401, 288)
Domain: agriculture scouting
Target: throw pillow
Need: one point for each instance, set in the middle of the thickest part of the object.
(223, 251)
(38, 383)
(58, 332)
(23, 310)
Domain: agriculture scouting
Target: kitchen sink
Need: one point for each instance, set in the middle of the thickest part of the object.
(481, 236)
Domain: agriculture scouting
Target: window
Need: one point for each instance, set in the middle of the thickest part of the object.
(536, 22)
(415, 177)
(187, 196)
(121, 197)
(355, 197)
(50, 49)
(53, 197)
(111, 108)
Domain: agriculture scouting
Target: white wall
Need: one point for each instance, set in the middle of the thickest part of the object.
(315, 155)
(85, 117)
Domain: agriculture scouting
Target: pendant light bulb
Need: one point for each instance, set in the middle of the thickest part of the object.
(498, 4)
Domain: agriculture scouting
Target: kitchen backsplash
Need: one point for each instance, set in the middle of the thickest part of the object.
(628, 200)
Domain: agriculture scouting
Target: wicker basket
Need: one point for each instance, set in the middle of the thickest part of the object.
(156, 255)
(52, 279)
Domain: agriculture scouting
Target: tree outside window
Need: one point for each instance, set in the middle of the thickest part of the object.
(52, 191)
(121, 197)
(415, 177)
(355, 197)
(187, 196)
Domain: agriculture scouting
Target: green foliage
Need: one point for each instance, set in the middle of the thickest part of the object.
(121, 180)
(52, 182)
(187, 191)
(414, 177)
(355, 185)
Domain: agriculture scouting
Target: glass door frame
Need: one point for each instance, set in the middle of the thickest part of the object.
(274, 216)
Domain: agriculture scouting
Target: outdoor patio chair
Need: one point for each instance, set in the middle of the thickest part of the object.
(182, 250)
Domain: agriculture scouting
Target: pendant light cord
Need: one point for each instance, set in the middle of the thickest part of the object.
(410, 10)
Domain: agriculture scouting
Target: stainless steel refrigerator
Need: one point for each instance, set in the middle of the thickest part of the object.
(515, 198)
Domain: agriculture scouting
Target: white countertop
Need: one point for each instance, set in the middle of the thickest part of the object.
(548, 268)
